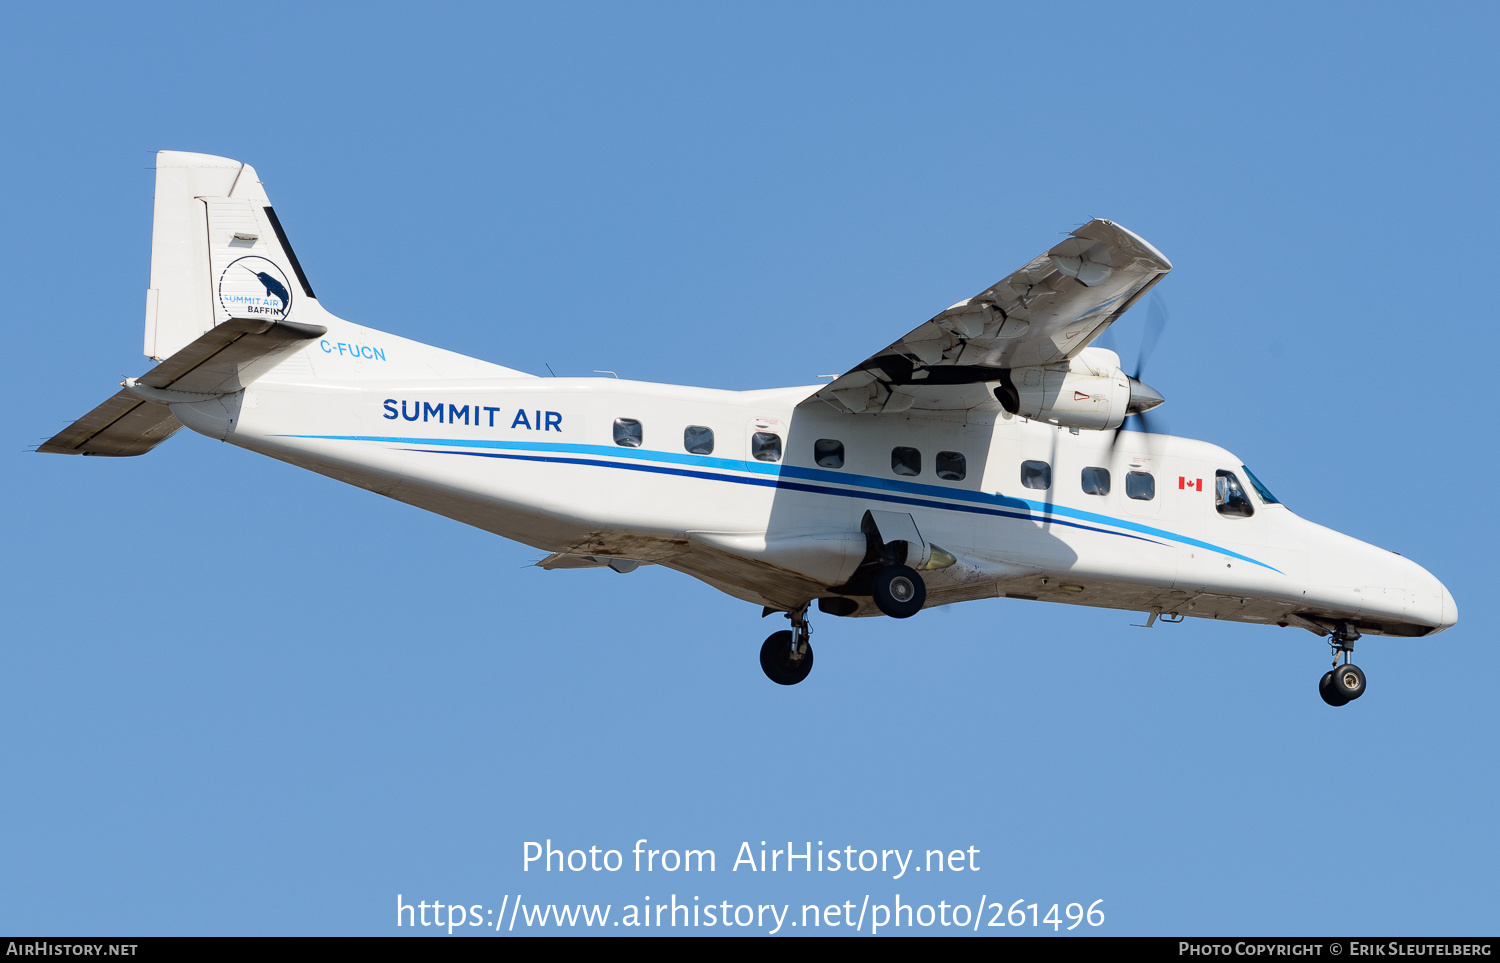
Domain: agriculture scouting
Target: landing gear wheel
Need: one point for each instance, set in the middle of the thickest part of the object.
(1326, 690)
(784, 662)
(899, 592)
(1348, 682)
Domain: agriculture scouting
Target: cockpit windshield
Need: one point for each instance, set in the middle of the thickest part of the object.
(1260, 489)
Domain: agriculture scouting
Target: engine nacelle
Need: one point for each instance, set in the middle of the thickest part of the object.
(1088, 391)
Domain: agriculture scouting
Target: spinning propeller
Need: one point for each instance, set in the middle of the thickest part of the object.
(1143, 397)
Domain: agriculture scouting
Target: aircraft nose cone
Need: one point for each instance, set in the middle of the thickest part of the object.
(1449, 617)
(1143, 397)
(1432, 603)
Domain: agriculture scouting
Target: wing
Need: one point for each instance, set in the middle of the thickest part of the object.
(1045, 313)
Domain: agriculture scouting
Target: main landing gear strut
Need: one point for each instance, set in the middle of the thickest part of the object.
(787, 657)
(897, 591)
(1346, 682)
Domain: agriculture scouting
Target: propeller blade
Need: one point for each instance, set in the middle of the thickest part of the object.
(1142, 396)
(1156, 323)
(1150, 426)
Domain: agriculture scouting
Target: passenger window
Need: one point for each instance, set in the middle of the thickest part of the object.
(698, 440)
(951, 466)
(1096, 481)
(766, 446)
(828, 453)
(628, 432)
(906, 461)
(1140, 485)
(1036, 474)
(1229, 498)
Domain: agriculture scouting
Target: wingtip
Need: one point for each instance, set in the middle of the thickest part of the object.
(1112, 232)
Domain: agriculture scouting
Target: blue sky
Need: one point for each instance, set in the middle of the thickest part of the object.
(242, 698)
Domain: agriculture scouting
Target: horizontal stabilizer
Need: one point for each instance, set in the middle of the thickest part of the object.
(228, 357)
(123, 425)
(220, 361)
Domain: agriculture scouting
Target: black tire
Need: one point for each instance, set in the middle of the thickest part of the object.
(1348, 682)
(899, 592)
(778, 662)
(1326, 690)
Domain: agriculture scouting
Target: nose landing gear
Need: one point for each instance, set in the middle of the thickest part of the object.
(787, 657)
(1344, 683)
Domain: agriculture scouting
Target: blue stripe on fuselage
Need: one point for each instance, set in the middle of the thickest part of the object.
(774, 475)
(778, 483)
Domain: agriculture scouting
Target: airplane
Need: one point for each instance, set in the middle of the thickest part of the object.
(983, 454)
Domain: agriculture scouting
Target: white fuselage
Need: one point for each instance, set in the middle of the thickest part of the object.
(536, 460)
(973, 457)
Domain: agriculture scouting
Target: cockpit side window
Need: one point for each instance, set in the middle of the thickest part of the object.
(1229, 498)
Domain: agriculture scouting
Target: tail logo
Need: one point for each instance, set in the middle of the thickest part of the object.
(254, 287)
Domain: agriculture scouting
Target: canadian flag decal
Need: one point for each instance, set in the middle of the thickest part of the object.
(1191, 484)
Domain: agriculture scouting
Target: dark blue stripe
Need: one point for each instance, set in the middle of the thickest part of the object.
(864, 486)
(783, 484)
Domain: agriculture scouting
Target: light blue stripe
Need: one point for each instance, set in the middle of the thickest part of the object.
(825, 476)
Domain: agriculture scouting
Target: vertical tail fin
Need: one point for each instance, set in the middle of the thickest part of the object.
(225, 288)
(217, 251)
